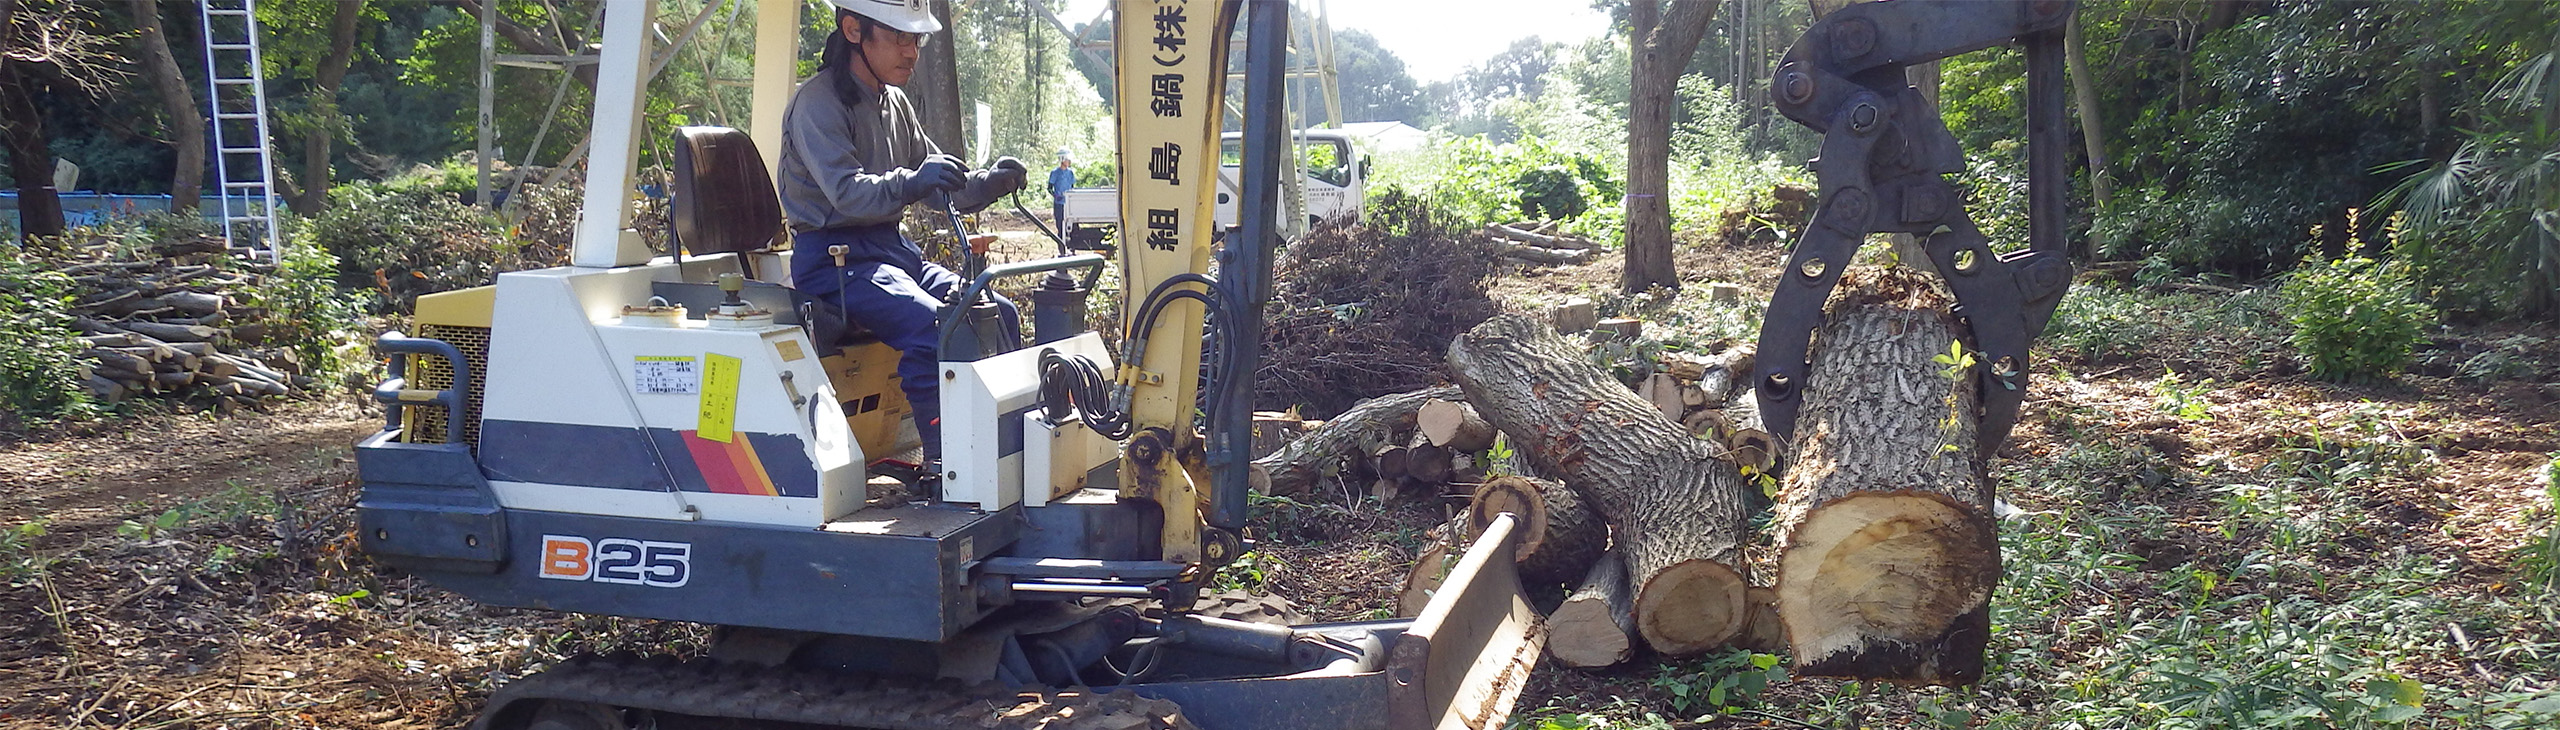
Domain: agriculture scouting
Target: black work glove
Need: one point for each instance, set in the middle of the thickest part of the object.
(988, 185)
(1003, 178)
(937, 174)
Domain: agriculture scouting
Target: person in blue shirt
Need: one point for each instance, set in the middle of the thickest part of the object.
(854, 156)
(1061, 180)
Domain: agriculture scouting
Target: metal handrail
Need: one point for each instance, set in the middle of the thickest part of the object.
(952, 315)
(397, 396)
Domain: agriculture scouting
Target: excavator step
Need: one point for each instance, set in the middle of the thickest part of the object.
(602, 687)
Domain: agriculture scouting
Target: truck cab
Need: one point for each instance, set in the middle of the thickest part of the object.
(1332, 185)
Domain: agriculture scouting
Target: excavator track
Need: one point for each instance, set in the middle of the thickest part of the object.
(576, 695)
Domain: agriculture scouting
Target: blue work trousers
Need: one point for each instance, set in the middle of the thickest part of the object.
(885, 285)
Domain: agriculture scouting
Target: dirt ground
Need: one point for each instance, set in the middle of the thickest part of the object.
(192, 572)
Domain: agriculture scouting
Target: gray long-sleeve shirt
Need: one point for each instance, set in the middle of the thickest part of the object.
(842, 165)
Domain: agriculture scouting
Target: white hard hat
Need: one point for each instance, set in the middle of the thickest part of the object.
(905, 15)
(1063, 155)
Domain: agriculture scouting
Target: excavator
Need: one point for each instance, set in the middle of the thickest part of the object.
(679, 436)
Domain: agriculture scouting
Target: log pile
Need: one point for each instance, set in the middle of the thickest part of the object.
(1675, 508)
(172, 324)
(1531, 242)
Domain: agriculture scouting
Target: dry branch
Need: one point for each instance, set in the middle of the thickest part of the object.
(1361, 431)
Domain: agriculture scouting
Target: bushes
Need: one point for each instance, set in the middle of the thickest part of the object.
(307, 314)
(2354, 319)
(1362, 311)
(39, 379)
(413, 235)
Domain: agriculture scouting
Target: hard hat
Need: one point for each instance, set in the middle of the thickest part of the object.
(1063, 155)
(904, 15)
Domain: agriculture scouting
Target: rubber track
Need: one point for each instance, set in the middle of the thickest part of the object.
(703, 688)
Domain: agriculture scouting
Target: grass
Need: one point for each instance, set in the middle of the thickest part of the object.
(2102, 324)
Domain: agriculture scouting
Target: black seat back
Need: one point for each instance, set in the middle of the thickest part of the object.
(721, 198)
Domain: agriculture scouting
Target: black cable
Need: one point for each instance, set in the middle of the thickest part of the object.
(1071, 384)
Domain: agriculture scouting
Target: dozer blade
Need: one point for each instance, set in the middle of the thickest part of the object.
(1466, 658)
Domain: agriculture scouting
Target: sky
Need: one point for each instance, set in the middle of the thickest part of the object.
(1439, 38)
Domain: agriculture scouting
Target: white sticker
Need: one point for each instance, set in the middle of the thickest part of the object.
(666, 374)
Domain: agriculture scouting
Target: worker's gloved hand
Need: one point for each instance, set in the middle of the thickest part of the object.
(992, 183)
(937, 174)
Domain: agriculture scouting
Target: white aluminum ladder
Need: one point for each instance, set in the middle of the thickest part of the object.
(244, 172)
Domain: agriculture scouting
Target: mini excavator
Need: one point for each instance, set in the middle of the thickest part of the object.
(671, 437)
(665, 437)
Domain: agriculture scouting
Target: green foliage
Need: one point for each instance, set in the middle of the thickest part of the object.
(309, 314)
(2539, 560)
(1476, 181)
(18, 559)
(411, 235)
(2354, 319)
(39, 375)
(1719, 683)
(2176, 397)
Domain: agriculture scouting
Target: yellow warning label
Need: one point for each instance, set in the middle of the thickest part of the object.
(719, 397)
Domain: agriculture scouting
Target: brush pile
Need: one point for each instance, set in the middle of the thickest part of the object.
(1366, 310)
(179, 320)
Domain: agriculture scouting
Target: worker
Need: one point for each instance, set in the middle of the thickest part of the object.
(854, 157)
(1061, 180)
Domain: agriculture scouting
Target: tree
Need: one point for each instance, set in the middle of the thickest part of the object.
(186, 122)
(310, 194)
(1662, 43)
(49, 50)
(938, 78)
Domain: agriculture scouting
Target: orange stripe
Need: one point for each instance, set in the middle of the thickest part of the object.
(713, 459)
(742, 457)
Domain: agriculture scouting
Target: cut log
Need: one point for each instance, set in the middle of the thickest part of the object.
(1454, 424)
(1356, 433)
(1692, 396)
(1664, 392)
(1542, 241)
(1560, 536)
(1544, 255)
(1596, 626)
(1766, 634)
(195, 304)
(1272, 430)
(1391, 462)
(1574, 315)
(1678, 512)
(1432, 564)
(1724, 292)
(172, 332)
(1426, 463)
(1887, 552)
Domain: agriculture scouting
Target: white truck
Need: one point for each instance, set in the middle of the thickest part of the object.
(1334, 182)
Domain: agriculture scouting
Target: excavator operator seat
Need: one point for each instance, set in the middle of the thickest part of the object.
(721, 198)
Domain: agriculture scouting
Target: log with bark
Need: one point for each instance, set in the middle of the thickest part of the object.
(1560, 535)
(1596, 625)
(1358, 432)
(1544, 255)
(1431, 565)
(1887, 549)
(1534, 238)
(1455, 425)
(1678, 512)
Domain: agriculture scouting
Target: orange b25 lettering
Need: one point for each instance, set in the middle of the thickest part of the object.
(567, 557)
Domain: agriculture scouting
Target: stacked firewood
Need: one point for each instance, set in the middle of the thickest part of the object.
(171, 324)
(1533, 242)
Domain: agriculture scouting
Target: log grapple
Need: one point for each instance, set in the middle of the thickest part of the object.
(1884, 156)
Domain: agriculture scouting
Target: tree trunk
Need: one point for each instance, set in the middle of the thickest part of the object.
(1356, 433)
(1560, 537)
(1887, 553)
(1677, 510)
(313, 194)
(1596, 626)
(1663, 41)
(22, 131)
(186, 122)
(938, 78)
(2093, 132)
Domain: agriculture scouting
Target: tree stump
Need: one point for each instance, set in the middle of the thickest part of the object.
(1887, 551)
(1677, 511)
